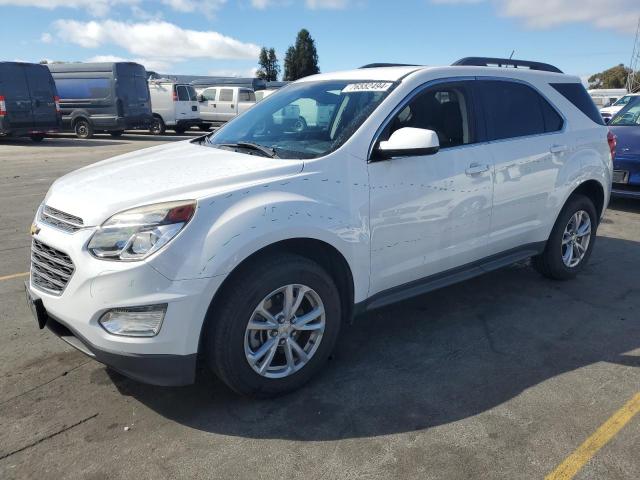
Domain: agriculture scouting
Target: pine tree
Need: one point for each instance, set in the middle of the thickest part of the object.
(301, 59)
(268, 62)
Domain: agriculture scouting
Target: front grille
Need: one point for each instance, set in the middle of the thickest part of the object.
(51, 269)
(63, 221)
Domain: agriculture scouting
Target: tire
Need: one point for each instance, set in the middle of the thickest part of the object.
(116, 133)
(229, 343)
(552, 263)
(158, 127)
(83, 128)
(37, 138)
(300, 125)
(205, 127)
(180, 130)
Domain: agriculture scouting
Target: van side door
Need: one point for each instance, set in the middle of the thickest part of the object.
(183, 103)
(227, 104)
(525, 134)
(431, 213)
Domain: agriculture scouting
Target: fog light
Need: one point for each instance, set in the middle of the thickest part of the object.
(134, 321)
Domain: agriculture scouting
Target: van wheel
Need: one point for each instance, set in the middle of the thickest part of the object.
(571, 241)
(180, 130)
(83, 129)
(205, 127)
(116, 133)
(300, 125)
(37, 137)
(274, 327)
(158, 127)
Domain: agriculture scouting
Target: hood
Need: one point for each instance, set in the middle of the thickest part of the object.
(628, 140)
(177, 171)
(611, 110)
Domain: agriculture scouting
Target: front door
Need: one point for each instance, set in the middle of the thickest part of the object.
(431, 213)
(208, 104)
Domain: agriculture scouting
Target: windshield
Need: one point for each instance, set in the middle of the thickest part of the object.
(629, 115)
(305, 120)
(622, 101)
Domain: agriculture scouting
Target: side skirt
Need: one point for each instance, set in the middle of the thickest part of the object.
(448, 277)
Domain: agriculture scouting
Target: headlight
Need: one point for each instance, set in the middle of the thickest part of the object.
(137, 233)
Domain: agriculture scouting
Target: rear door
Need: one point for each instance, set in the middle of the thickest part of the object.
(246, 100)
(193, 103)
(527, 143)
(183, 103)
(15, 90)
(43, 94)
(226, 105)
(132, 90)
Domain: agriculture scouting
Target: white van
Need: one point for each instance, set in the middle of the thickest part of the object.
(174, 106)
(219, 104)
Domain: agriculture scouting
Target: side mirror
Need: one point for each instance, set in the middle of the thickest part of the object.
(200, 98)
(408, 141)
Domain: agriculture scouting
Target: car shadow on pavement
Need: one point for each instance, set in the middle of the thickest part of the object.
(439, 358)
(59, 141)
(631, 205)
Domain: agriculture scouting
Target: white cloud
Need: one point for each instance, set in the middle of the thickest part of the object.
(155, 40)
(311, 4)
(46, 37)
(621, 15)
(207, 7)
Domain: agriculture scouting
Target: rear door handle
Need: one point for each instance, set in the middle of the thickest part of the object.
(558, 148)
(476, 168)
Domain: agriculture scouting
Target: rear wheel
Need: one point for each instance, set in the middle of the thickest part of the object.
(157, 127)
(205, 127)
(116, 133)
(83, 128)
(571, 241)
(275, 326)
(37, 137)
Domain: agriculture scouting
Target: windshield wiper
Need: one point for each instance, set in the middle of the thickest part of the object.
(268, 151)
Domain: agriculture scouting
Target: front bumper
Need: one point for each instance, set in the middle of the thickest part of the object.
(97, 286)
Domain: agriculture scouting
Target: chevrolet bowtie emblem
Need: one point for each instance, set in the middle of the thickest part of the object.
(34, 229)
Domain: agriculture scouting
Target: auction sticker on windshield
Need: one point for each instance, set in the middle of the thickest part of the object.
(367, 87)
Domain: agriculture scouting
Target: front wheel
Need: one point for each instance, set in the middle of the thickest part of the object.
(274, 327)
(571, 241)
(157, 127)
(179, 130)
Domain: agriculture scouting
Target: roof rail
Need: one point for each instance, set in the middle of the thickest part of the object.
(379, 65)
(507, 62)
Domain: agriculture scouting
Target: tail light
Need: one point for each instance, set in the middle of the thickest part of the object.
(56, 100)
(175, 94)
(3, 106)
(613, 141)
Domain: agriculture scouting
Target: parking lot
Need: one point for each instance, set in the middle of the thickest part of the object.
(500, 377)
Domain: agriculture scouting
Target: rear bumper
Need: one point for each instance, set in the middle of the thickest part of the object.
(625, 191)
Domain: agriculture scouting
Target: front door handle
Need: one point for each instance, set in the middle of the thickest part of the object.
(476, 168)
(558, 148)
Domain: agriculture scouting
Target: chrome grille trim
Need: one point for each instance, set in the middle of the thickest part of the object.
(58, 219)
(51, 269)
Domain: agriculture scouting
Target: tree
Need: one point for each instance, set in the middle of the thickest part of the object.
(615, 77)
(301, 59)
(269, 67)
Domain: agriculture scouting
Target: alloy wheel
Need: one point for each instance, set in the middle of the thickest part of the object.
(576, 238)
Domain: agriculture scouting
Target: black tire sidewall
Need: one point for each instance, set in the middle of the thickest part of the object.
(77, 125)
(553, 251)
(226, 352)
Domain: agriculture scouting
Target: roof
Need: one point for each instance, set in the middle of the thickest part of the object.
(390, 74)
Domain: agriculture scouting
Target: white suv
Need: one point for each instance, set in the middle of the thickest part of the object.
(248, 248)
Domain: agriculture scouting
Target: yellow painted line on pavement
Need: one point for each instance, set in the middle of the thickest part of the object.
(609, 429)
(14, 275)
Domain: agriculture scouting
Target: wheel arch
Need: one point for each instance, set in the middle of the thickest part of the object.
(593, 190)
(319, 251)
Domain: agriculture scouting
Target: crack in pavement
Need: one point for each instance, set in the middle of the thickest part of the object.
(40, 440)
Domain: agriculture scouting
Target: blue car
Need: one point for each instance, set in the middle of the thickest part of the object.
(625, 125)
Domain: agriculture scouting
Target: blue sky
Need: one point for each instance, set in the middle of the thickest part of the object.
(222, 36)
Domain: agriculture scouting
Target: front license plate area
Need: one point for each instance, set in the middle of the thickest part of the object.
(36, 307)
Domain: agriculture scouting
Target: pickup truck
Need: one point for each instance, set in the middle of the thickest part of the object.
(219, 104)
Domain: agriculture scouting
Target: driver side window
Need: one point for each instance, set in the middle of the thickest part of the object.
(443, 109)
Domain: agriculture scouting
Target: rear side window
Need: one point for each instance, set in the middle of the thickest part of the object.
(246, 96)
(516, 110)
(577, 94)
(183, 93)
(192, 93)
(83, 88)
(209, 94)
(226, 95)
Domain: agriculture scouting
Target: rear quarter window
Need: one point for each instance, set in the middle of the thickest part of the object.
(577, 94)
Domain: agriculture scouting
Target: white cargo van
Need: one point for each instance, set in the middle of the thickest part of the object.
(219, 104)
(174, 106)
